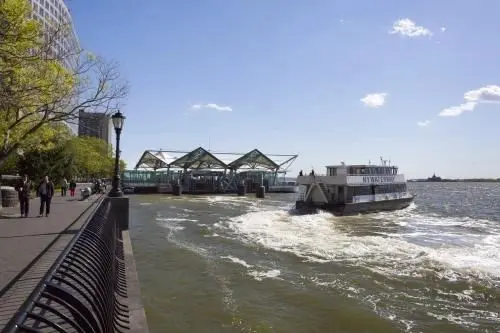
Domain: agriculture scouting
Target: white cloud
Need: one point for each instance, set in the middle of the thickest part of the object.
(213, 106)
(443, 29)
(486, 94)
(423, 123)
(374, 100)
(454, 111)
(408, 28)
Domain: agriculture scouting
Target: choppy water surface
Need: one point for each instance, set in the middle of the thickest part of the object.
(231, 264)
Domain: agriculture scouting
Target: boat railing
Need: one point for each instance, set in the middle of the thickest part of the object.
(372, 174)
(380, 197)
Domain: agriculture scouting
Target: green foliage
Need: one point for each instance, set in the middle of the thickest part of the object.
(123, 165)
(30, 83)
(85, 157)
(9, 167)
(92, 156)
(37, 91)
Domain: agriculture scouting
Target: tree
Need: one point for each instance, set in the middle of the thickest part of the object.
(123, 166)
(39, 88)
(92, 156)
(9, 167)
(85, 157)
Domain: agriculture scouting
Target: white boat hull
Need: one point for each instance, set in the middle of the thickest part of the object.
(355, 208)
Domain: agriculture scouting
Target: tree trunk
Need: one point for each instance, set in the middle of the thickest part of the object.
(4, 156)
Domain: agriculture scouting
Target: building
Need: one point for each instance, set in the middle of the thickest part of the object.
(54, 14)
(97, 125)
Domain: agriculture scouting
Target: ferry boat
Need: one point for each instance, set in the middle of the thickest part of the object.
(354, 189)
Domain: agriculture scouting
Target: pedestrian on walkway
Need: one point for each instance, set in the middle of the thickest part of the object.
(64, 187)
(46, 192)
(72, 187)
(23, 189)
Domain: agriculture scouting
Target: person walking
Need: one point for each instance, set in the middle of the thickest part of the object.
(64, 187)
(46, 192)
(72, 187)
(23, 189)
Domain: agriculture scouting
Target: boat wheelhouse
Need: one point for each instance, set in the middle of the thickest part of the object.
(354, 189)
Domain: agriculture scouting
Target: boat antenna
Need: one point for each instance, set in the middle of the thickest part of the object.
(209, 143)
(369, 162)
(381, 160)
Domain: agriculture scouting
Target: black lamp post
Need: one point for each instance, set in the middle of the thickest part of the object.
(118, 119)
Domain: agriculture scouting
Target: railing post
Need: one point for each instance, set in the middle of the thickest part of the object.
(120, 211)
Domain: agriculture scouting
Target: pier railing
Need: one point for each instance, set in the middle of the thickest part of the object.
(84, 289)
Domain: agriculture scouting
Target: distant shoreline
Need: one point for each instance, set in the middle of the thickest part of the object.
(471, 180)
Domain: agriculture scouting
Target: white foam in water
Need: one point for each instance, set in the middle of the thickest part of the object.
(173, 223)
(259, 275)
(176, 219)
(233, 201)
(237, 261)
(316, 237)
(395, 247)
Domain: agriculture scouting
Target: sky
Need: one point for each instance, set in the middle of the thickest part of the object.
(416, 82)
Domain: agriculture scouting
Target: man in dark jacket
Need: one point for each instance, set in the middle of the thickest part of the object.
(46, 192)
(23, 189)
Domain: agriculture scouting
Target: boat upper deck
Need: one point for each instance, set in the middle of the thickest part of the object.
(356, 175)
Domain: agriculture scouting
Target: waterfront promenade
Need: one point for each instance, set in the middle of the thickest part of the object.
(29, 246)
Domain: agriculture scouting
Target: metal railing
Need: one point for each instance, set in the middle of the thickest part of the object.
(83, 291)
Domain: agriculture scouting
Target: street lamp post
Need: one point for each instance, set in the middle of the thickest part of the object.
(118, 119)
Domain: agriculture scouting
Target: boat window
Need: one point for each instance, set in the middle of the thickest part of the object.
(332, 171)
(390, 188)
(360, 190)
(379, 189)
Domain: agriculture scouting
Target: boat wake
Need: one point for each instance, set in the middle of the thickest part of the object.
(442, 267)
(412, 258)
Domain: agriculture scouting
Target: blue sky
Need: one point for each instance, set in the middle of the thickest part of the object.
(295, 74)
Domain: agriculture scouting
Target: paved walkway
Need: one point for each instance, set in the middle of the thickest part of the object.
(29, 246)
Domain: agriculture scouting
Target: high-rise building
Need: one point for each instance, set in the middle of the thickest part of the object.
(94, 124)
(59, 32)
(55, 16)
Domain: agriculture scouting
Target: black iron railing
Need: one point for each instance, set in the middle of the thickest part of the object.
(84, 289)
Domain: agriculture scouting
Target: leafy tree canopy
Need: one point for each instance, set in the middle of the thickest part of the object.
(82, 157)
(38, 91)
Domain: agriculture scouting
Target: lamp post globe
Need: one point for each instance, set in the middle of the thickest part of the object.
(118, 119)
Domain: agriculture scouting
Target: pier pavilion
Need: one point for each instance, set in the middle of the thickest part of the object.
(204, 171)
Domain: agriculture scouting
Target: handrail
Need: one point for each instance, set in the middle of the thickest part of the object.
(82, 290)
(374, 174)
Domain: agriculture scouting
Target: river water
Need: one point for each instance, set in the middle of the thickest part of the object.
(240, 264)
